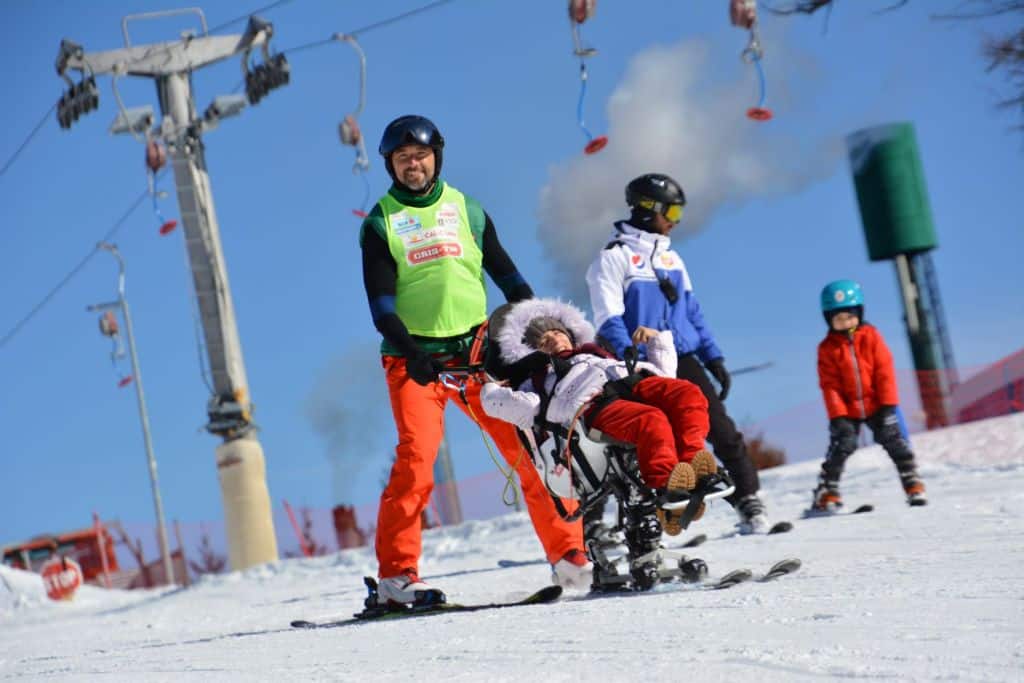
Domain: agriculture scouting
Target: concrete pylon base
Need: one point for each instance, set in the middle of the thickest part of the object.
(248, 520)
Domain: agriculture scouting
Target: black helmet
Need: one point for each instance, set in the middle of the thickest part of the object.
(653, 193)
(407, 130)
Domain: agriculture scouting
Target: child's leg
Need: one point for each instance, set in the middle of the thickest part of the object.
(685, 407)
(842, 442)
(885, 426)
(646, 427)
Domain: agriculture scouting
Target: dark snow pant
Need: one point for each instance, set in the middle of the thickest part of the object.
(725, 439)
(885, 427)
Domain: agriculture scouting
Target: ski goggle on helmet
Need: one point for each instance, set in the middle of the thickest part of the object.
(408, 130)
(673, 212)
(656, 193)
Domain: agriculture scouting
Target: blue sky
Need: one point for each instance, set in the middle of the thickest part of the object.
(772, 217)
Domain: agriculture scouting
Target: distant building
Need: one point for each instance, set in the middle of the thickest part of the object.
(996, 390)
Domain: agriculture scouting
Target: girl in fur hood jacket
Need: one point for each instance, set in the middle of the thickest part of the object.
(570, 378)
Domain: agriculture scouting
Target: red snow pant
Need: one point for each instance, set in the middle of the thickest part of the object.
(419, 419)
(665, 418)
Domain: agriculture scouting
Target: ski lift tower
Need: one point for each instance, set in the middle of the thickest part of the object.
(239, 458)
(897, 219)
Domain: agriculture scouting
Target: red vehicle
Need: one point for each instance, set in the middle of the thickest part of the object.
(89, 547)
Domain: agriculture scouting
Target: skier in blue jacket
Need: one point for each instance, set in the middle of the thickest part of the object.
(639, 286)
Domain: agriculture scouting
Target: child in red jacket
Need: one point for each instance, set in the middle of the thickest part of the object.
(858, 383)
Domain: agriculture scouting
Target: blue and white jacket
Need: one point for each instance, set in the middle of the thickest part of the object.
(625, 293)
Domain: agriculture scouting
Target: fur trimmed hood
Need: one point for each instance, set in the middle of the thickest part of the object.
(513, 328)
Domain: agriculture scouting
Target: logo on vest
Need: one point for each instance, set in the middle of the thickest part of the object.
(402, 223)
(447, 216)
(432, 252)
(667, 260)
(637, 260)
(431, 235)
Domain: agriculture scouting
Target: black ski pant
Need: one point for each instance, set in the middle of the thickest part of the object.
(725, 439)
(885, 427)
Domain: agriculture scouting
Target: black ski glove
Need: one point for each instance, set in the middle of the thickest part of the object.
(718, 371)
(423, 368)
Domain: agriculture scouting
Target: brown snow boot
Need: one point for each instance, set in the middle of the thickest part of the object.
(682, 478)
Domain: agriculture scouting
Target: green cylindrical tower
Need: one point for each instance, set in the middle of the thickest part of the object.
(897, 219)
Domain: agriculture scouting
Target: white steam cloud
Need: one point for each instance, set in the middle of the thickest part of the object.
(668, 117)
(349, 407)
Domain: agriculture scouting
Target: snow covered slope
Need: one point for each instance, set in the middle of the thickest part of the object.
(899, 594)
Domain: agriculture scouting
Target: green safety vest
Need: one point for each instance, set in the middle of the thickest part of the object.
(440, 289)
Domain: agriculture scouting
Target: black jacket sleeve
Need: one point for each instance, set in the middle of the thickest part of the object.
(498, 264)
(380, 279)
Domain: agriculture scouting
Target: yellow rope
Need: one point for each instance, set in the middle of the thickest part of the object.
(509, 475)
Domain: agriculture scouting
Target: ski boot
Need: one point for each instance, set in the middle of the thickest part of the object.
(826, 498)
(753, 519)
(914, 488)
(574, 570)
(404, 591)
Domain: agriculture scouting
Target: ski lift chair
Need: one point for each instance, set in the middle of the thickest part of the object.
(587, 466)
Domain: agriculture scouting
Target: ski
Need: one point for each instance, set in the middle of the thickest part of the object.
(738, 576)
(699, 579)
(781, 568)
(811, 513)
(733, 578)
(697, 540)
(505, 564)
(544, 596)
(781, 527)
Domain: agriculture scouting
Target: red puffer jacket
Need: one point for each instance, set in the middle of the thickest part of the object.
(856, 373)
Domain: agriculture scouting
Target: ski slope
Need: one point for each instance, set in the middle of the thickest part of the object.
(898, 594)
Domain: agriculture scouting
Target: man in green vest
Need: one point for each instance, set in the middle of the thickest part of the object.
(426, 247)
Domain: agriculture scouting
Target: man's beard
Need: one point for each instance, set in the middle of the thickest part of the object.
(419, 186)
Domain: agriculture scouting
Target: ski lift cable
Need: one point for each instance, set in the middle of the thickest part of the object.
(49, 112)
(28, 139)
(369, 27)
(74, 271)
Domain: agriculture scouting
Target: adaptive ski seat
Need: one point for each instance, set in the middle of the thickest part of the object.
(588, 466)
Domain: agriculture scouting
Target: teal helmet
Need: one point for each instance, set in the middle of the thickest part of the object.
(842, 295)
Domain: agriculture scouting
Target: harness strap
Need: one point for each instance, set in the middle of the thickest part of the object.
(616, 389)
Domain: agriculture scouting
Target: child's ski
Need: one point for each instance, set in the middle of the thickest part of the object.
(811, 513)
(545, 595)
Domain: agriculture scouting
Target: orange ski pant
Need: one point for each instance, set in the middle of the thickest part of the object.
(419, 419)
(666, 419)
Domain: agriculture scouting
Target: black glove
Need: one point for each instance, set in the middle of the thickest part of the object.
(718, 371)
(423, 368)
